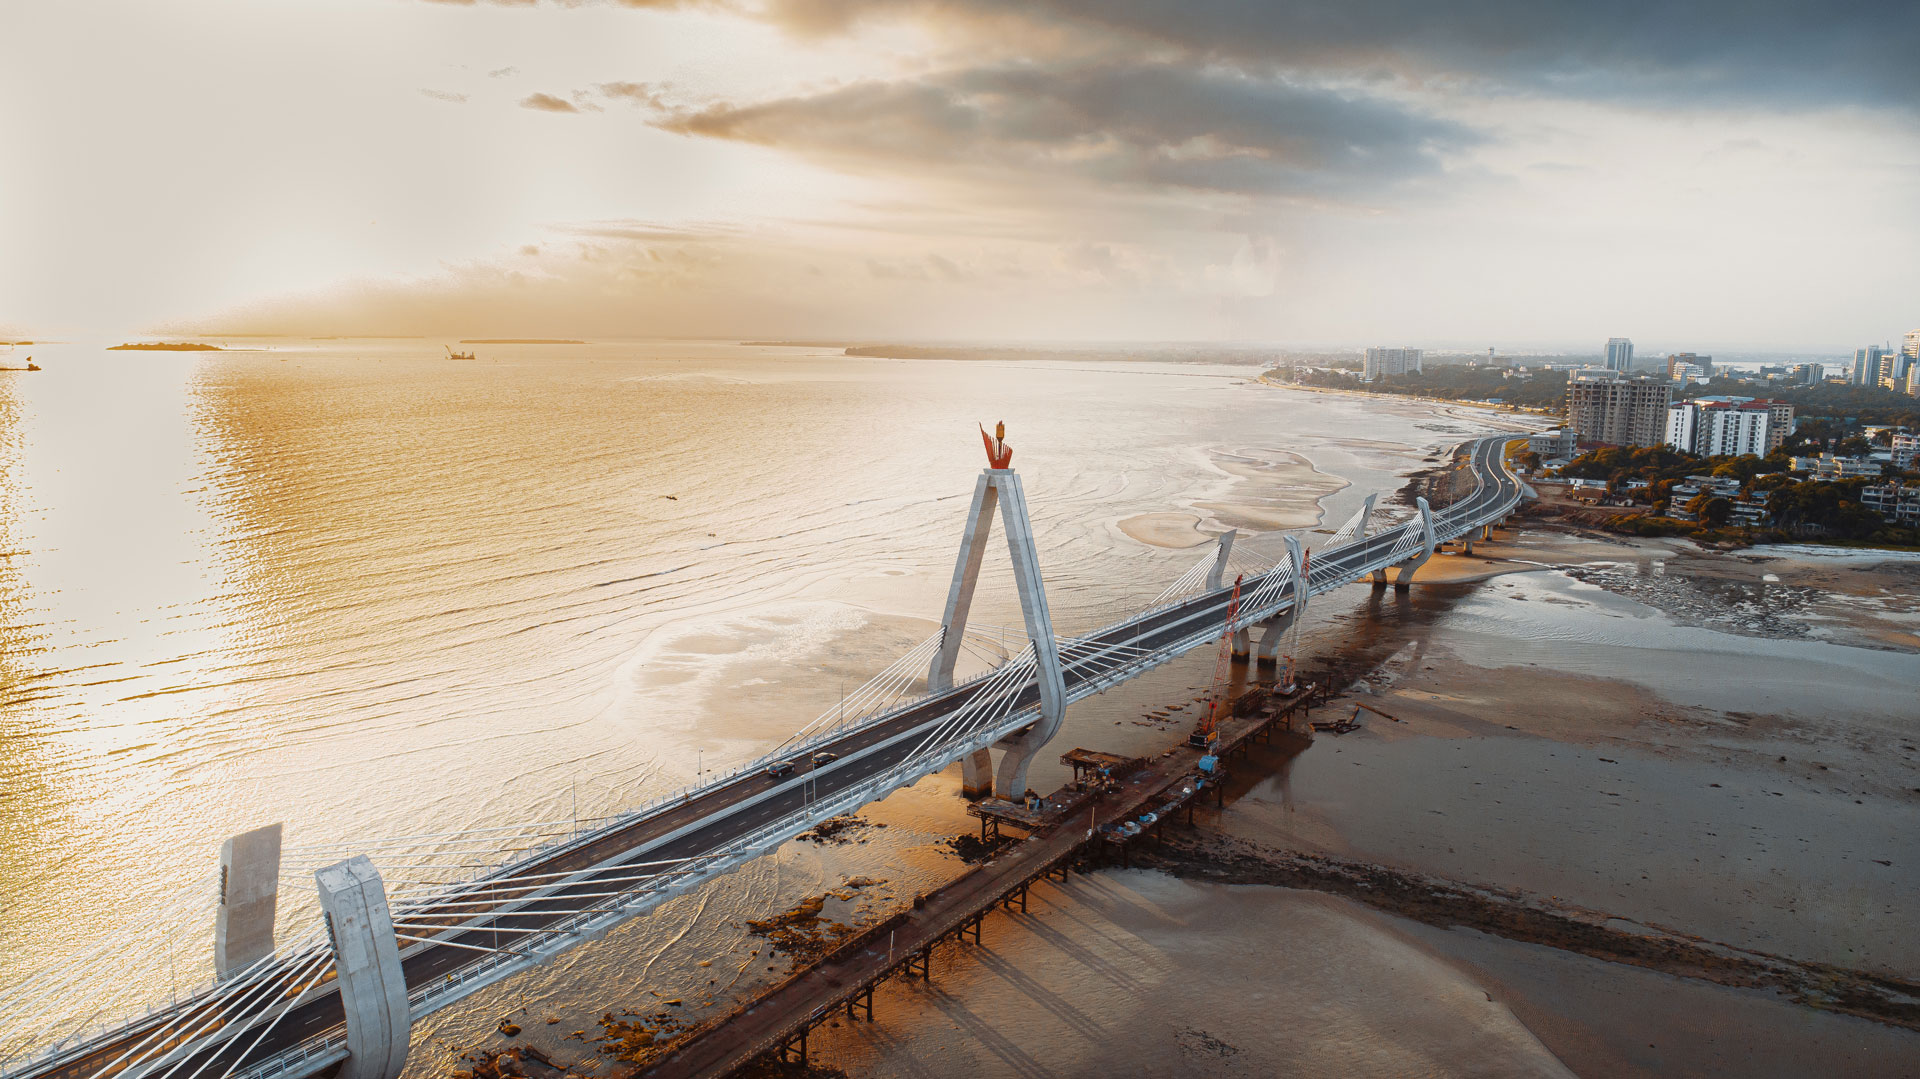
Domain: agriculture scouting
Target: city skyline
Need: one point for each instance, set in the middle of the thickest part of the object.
(962, 170)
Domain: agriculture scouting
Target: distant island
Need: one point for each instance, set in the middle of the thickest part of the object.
(518, 341)
(166, 346)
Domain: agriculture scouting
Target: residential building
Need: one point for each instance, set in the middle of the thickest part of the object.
(1895, 502)
(1893, 372)
(1807, 374)
(1866, 365)
(1619, 354)
(1828, 467)
(1906, 450)
(1615, 408)
(1911, 348)
(1719, 428)
(1551, 445)
(1390, 361)
(1688, 359)
(1780, 422)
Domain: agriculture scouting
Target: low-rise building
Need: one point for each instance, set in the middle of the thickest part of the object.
(1906, 450)
(1828, 467)
(1895, 502)
(1552, 443)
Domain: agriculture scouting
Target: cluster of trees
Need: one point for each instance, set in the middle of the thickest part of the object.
(1541, 389)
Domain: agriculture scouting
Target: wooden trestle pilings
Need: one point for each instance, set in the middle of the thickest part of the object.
(1088, 830)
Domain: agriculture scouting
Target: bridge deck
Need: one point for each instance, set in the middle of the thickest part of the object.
(734, 820)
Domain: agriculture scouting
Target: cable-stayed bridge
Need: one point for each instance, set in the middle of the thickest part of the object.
(447, 914)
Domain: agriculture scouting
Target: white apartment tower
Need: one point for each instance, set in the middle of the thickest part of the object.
(1721, 428)
(1390, 361)
(1619, 354)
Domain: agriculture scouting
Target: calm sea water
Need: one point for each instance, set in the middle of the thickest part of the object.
(363, 590)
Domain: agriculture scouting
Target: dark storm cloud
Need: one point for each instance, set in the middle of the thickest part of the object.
(1147, 125)
(1723, 51)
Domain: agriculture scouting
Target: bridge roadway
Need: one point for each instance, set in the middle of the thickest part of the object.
(677, 831)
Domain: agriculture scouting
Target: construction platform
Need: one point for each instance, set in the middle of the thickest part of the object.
(1085, 825)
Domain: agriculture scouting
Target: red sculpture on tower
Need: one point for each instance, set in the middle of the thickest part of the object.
(999, 454)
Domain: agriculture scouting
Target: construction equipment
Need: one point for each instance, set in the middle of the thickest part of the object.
(1207, 730)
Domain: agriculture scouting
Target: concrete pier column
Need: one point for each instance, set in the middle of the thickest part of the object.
(1405, 580)
(1242, 645)
(373, 989)
(976, 774)
(1274, 631)
(249, 892)
(1216, 577)
(1278, 626)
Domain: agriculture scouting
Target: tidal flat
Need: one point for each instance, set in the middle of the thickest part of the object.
(1560, 722)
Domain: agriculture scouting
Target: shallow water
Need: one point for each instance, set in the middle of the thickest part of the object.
(365, 591)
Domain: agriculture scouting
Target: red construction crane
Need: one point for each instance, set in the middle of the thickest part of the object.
(1208, 729)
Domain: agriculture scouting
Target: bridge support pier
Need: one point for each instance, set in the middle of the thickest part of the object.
(976, 774)
(249, 891)
(999, 490)
(1404, 581)
(1277, 626)
(366, 963)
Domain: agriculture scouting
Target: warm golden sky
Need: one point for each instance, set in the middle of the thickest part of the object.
(1379, 170)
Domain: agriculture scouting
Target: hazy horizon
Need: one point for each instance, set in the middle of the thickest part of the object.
(1696, 177)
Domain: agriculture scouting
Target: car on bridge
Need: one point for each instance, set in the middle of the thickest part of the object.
(780, 768)
(824, 757)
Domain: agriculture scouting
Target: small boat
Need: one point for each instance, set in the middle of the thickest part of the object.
(452, 355)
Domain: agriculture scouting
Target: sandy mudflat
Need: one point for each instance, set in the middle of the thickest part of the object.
(1165, 529)
(1273, 489)
(1138, 974)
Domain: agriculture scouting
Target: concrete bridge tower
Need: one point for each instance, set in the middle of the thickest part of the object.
(998, 489)
(366, 964)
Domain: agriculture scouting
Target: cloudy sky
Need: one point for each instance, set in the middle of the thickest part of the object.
(1713, 173)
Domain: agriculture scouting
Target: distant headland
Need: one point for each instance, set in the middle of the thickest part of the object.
(166, 346)
(519, 341)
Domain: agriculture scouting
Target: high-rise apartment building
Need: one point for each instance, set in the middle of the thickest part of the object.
(1893, 372)
(1615, 408)
(1720, 428)
(1866, 365)
(1619, 354)
(1390, 361)
(1779, 423)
